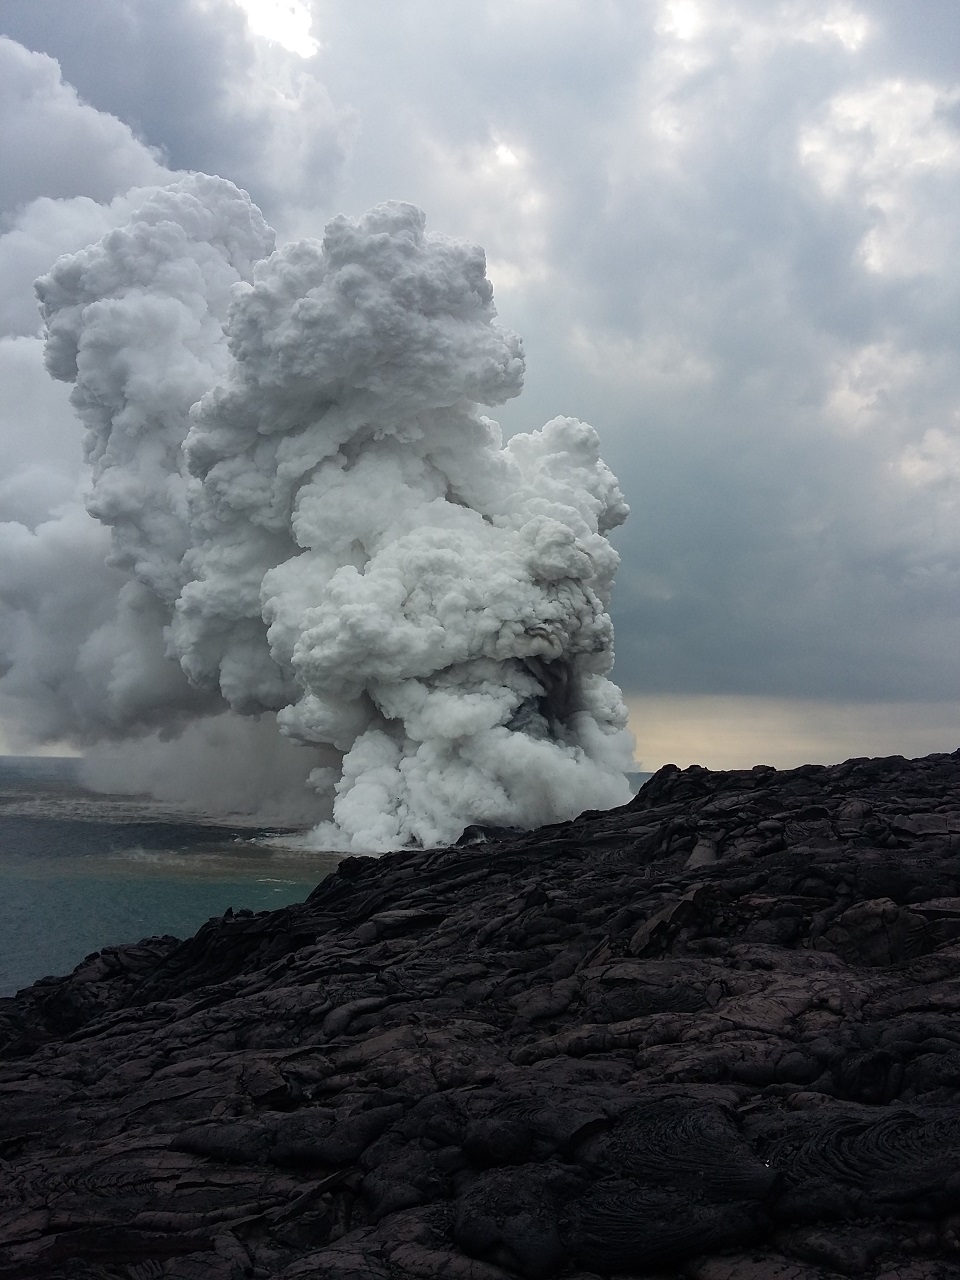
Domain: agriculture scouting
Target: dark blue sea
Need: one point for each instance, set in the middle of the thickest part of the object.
(80, 871)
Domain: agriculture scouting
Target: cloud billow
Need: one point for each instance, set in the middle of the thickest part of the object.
(314, 520)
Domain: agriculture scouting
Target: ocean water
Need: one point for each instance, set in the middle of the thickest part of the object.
(81, 871)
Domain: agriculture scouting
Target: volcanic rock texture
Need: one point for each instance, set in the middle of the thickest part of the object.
(713, 1034)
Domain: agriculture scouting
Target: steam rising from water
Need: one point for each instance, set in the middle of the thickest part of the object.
(311, 520)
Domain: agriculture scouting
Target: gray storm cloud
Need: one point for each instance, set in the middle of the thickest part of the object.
(311, 520)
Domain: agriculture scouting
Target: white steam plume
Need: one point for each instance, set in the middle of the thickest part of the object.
(313, 520)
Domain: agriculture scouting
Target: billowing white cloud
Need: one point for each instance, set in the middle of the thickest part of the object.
(310, 516)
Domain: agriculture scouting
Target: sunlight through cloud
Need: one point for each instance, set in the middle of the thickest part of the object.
(285, 22)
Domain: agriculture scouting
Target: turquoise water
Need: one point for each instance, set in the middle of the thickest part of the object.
(80, 872)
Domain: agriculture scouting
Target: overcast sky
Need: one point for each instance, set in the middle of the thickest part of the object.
(725, 229)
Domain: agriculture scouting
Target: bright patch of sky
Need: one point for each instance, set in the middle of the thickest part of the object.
(286, 22)
(727, 732)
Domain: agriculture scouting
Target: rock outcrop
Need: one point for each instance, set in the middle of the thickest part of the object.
(713, 1034)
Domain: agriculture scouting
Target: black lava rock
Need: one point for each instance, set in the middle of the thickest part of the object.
(712, 1034)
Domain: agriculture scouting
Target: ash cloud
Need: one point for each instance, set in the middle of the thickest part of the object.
(312, 523)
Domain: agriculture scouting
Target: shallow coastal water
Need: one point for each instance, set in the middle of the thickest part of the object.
(80, 871)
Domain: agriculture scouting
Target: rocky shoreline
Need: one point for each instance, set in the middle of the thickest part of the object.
(712, 1034)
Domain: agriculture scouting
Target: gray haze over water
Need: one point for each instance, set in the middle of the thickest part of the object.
(79, 871)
